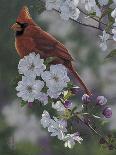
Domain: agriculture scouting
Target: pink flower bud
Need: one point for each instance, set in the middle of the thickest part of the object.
(107, 112)
(101, 100)
(30, 104)
(102, 140)
(111, 147)
(86, 98)
(67, 104)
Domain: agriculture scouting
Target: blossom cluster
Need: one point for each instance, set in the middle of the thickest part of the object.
(67, 8)
(97, 10)
(50, 84)
(40, 83)
(37, 82)
(57, 127)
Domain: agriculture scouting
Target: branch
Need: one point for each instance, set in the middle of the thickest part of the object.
(92, 17)
(83, 24)
(92, 129)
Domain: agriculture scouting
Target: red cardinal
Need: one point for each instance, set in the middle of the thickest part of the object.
(31, 38)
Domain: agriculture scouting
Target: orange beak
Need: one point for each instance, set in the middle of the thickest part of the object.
(16, 27)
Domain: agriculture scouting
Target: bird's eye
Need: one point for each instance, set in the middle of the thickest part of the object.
(18, 23)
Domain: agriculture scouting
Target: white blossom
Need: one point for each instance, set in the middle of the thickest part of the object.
(72, 3)
(113, 13)
(42, 97)
(103, 2)
(114, 31)
(31, 65)
(46, 119)
(71, 138)
(53, 94)
(28, 88)
(58, 106)
(90, 6)
(53, 4)
(56, 79)
(104, 39)
(75, 14)
(58, 128)
(69, 10)
(97, 10)
(114, 1)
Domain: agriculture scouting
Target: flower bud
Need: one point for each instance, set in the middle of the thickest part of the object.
(101, 100)
(86, 98)
(111, 147)
(102, 141)
(75, 90)
(30, 104)
(67, 104)
(107, 112)
(109, 135)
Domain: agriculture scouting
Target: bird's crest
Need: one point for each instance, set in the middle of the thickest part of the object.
(24, 14)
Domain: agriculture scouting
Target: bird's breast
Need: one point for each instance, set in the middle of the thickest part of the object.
(17, 46)
(20, 46)
(25, 45)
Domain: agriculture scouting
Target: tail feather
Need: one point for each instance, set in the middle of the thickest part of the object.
(82, 84)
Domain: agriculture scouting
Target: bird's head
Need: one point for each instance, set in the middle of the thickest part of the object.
(24, 20)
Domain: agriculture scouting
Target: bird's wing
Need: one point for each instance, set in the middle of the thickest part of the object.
(48, 44)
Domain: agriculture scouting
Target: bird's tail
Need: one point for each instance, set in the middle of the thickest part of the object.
(82, 84)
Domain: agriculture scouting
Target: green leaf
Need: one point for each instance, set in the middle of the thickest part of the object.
(107, 12)
(104, 122)
(23, 103)
(95, 116)
(74, 109)
(111, 54)
(110, 2)
(70, 85)
(40, 6)
(15, 80)
(68, 95)
(93, 14)
(49, 60)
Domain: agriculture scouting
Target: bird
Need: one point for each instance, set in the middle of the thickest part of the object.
(29, 37)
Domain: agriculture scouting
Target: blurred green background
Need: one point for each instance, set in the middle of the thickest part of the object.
(20, 130)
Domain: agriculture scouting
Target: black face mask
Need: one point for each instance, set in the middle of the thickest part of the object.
(23, 26)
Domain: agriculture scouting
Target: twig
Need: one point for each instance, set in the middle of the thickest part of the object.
(88, 125)
(92, 17)
(97, 133)
(84, 24)
(79, 22)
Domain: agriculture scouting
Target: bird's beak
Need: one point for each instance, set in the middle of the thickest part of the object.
(16, 27)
